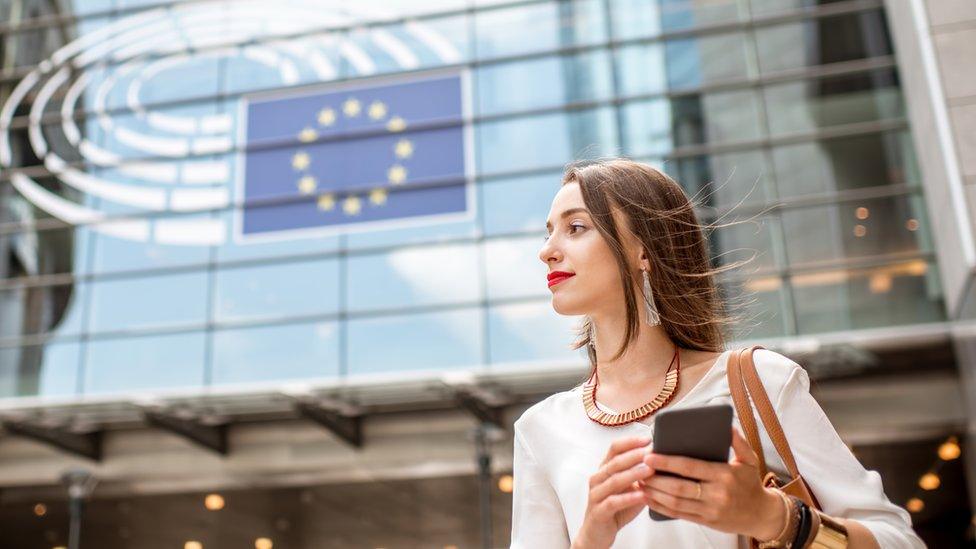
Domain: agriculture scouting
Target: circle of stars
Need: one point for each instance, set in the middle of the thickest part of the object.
(327, 117)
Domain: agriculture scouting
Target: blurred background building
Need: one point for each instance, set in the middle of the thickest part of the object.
(268, 270)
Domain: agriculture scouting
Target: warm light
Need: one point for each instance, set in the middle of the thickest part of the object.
(764, 284)
(193, 545)
(880, 283)
(949, 450)
(263, 543)
(40, 509)
(861, 213)
(505, 483)
(450, 547)
(929, 481)
(214, 502)
(860, 230)
(915, 505)
(911, 224)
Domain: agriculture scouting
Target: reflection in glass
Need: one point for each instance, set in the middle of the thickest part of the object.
(545, 141)
(889, 295)
(840, 164)
(293, 351)
(855, 229)
(524, 332)
(416, 342)
(812, 104)
(518, 205)
(150, 302)
(29, 310)
(407, 277)
(722, 179)
(755, 305)
(514, 268)
(636, 18)
(538, 27)
(154, 362)
(42, 370)
(746, 238)
(544, 82)
(698, 61)
(277, 290)
(823, 40)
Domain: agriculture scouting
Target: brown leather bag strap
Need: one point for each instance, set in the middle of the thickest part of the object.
(743, 409)
(766, 411)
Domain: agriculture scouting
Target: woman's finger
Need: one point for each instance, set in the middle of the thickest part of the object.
(622, 445)
(743, 451)
(687, 467)
(620, 481)
(618, 463)
(675, 486)
(684, 506)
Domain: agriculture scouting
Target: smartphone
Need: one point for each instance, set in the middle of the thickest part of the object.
(703, 432)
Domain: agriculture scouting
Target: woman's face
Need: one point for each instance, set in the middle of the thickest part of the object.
(576, 247)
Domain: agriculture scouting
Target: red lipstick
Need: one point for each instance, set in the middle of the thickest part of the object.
(555, 277)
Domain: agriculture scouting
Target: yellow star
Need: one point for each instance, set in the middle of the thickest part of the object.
(396, 174)
(307, 135)
(378, 196)
(307, 184)
(300, 161)
(351, 107)
(404, 148)
(327, 117)
(396, 124)
(377, 110)
(352, 205)
(326, 202)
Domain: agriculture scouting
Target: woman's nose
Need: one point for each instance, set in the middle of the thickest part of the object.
(548, 252)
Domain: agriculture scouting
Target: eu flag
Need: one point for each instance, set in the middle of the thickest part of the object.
(353, 154)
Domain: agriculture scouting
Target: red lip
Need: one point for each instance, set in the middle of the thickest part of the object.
(555, 277)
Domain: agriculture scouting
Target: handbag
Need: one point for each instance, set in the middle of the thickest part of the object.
(745, 386)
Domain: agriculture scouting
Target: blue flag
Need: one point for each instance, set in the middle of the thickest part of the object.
(353, 155)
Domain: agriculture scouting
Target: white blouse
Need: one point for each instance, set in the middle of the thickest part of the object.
(557, 448)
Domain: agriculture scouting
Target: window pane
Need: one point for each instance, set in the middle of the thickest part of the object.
(417, 342)
(548, 140)
(722, 179)
(538, 27)
(809, 105)
(642, 69)
(233, 250)
(525, 332)
(276, 353)
(514, 268)
(890, 295)
(747, 238)
(520, 204)
(855, 229)
(277, 290)
(755, 305)
(45, 252)
(131, 304)
(42, 370)
(413, 277)
(823, 40)
(545, 82)
(28, 310)
(113, 254)
(280, 63)
(634, 18)
(695, 62)
(154, 362)
(831, 165)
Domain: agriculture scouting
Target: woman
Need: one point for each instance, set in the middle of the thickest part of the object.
(626, 251)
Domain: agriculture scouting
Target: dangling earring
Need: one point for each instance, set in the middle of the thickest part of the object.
(650, 309)
(592, 335)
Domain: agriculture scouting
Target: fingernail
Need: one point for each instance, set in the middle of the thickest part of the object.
(642, 467)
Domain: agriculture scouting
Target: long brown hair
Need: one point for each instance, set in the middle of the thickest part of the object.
(662, 218)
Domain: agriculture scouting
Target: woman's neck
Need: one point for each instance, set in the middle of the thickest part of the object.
(647, 358)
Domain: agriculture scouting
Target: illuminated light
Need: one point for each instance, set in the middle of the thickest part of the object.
(915, 505)
(916, 268)
(860, 230)
(911, 224)
(861, 213)
(263, 543)
(40, 509)
(193, 545)
(505, 483)
(213, 502)
(949, 450)
(880, 283)
(450, 547)
(765, 284)
(929, 481)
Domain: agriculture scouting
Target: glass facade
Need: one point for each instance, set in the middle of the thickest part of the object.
(784, 115)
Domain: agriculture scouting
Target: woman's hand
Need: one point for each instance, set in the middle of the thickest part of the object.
(732, 498)
(615, 496)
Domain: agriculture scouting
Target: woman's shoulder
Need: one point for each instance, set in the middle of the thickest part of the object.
(776, 371)
(556, 407)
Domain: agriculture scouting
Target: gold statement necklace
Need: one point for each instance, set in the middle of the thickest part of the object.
(615, 420)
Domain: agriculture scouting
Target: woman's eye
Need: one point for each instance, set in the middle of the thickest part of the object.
(577, 227)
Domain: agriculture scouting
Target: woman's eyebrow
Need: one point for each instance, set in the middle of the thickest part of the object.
(566, 213)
